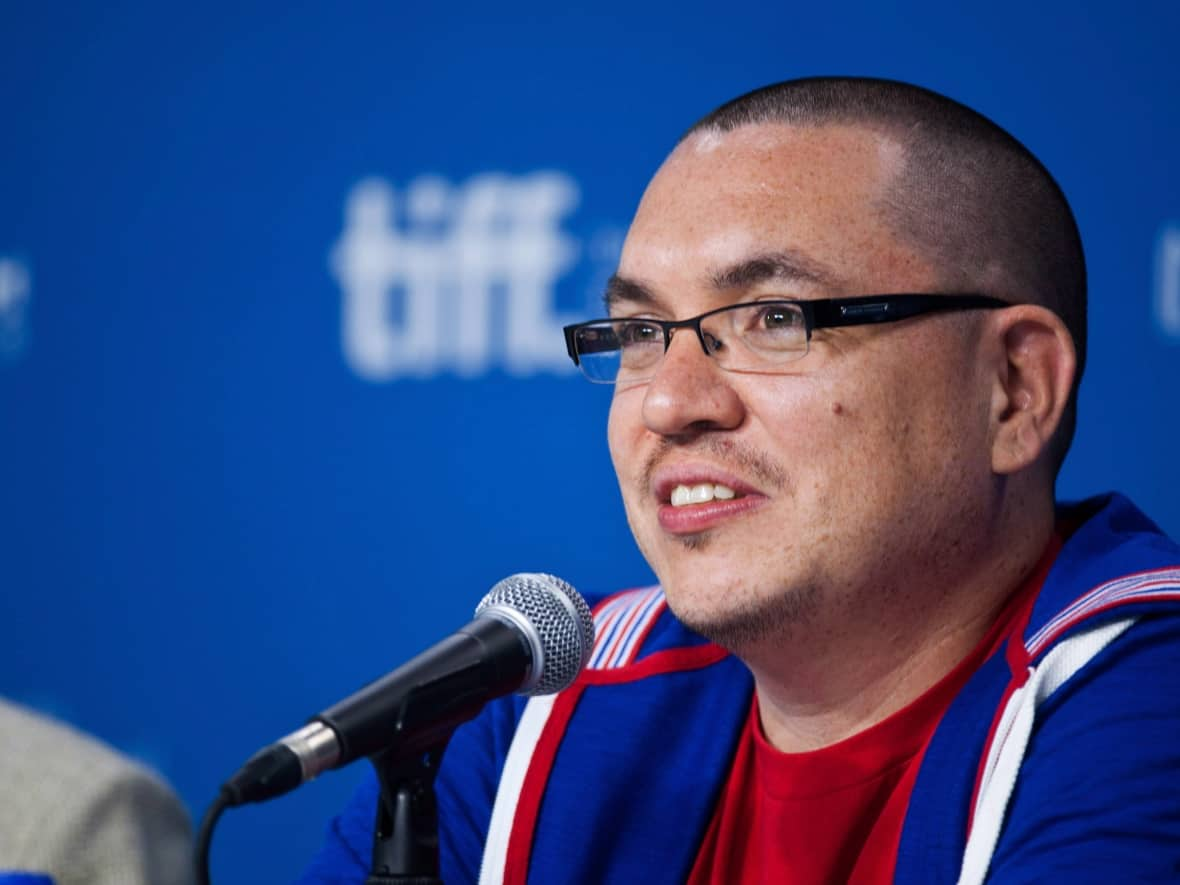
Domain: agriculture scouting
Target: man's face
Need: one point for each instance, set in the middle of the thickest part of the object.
(857, 478)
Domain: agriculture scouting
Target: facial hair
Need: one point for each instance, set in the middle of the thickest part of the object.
(754, 621)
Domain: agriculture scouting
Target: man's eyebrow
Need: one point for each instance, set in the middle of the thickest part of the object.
(786, 266)
(620, 289)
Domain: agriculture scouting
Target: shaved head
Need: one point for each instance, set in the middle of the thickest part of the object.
(967, 196)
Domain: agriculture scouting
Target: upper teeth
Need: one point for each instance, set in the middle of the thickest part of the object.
(700, 494)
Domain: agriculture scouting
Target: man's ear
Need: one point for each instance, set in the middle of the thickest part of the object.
(1032, 385)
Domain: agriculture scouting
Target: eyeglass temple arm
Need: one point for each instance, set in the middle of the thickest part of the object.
(886, 309)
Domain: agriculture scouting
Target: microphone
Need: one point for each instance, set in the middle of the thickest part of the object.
(532, 634)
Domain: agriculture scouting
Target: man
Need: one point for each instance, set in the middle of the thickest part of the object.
(845, 336)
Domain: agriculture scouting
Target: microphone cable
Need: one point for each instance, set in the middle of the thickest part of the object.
(205, 836)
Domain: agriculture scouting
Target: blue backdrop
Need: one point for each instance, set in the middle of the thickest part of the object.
(242, 471)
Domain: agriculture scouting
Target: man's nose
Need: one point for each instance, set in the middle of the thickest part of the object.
(689, 392)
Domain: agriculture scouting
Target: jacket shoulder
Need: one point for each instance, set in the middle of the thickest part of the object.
(1116, 563)
(635, 629)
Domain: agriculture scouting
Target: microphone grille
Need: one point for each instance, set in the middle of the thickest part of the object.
(560, 620)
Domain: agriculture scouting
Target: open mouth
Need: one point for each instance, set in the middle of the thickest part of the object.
(692, 498)
(694, 507)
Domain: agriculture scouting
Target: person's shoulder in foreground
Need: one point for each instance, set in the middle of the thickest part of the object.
(79, 812)
(845, 337)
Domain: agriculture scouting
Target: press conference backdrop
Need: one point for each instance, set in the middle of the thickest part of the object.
(281, 287)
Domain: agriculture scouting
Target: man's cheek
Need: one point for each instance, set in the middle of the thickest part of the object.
(623, 444)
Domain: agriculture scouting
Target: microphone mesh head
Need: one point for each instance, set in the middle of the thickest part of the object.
(560, 620)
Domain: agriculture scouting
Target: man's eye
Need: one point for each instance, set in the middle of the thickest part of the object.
(777, 318)
(640, 333)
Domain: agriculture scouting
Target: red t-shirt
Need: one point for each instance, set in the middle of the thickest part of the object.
(835, 814)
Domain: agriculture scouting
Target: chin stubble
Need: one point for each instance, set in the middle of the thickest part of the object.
(753, 622)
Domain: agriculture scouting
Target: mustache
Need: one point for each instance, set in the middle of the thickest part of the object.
(750, 461)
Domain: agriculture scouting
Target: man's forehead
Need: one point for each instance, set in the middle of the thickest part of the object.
(766, 202)
(772, 168)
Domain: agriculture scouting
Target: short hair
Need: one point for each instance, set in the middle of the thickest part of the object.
(970, 198)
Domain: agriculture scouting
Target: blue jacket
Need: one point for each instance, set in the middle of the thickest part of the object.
(615, 779)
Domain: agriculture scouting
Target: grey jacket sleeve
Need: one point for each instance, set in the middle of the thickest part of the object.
(82, 813)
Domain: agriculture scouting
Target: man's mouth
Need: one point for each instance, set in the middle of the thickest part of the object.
(691, 501)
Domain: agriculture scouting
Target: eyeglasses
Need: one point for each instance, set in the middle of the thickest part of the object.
(755, 337)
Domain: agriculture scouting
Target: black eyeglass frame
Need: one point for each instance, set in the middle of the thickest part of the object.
(824, 313)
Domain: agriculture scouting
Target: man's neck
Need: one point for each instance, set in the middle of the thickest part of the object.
(826, 683)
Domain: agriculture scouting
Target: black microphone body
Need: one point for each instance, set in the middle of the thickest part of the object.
(427, 697)
(531, 633)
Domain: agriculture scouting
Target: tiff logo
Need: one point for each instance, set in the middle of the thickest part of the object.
(1167, 280)
(15, 292)
(455, 277)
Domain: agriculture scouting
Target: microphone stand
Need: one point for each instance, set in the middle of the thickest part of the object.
(405, 836)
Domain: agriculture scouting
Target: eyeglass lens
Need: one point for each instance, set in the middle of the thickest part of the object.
(741, 337)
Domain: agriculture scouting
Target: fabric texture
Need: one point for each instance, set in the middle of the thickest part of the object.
(625, 775)
(79, 812)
